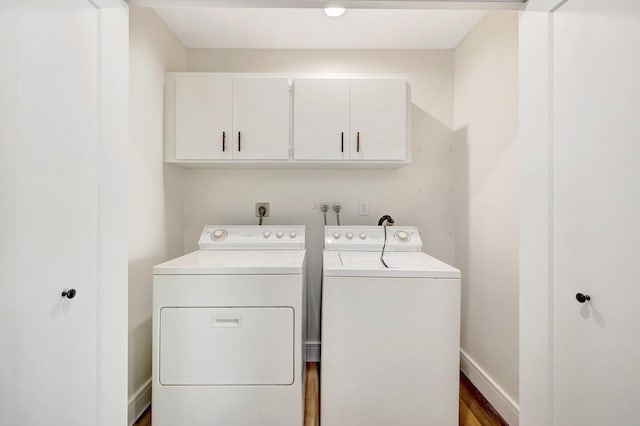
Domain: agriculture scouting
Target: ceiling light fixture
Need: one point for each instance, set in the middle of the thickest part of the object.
(334, 12)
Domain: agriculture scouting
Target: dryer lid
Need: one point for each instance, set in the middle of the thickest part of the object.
(400, 265)
(203, 262)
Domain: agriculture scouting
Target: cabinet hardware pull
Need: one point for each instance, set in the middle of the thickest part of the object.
(239, 146)
(342, 142)
(358, 142)
(223, 140)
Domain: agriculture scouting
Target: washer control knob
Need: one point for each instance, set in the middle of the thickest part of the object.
(363, 236)
(349, 235)
(403, 236)
(293, 234)
(266, 234)
(217, 233)
(336, 235)
(279, 234)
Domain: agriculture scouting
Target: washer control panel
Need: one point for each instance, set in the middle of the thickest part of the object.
(372, 238)
(251, 237)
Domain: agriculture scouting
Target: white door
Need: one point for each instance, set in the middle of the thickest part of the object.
(261, 118)
(321, 119)
(63, 143)
(378, 119)
(56, 225)
(596, 211)
(203, 118)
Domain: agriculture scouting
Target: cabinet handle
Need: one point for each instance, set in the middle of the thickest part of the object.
(358, 142)
(342, 142)
(239, 146)
(224, 136)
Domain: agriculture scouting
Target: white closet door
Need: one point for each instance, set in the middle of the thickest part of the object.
(203, 118)
(378, 119)
(321, 119)
(596, 209)
(55, 240)
(261, 118)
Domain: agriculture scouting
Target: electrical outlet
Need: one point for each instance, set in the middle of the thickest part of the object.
(324, 206)
(262, 204)
(337, 207)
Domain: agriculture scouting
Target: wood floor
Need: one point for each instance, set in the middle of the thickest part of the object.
(474, 408)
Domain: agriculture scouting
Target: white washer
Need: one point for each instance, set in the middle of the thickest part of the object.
(390, 335)
(228, 330)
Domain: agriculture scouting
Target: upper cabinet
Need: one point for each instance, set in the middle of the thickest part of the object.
(359, 119)
(261, 118)
(378, 119)
(223, 120)
(226, 118)
(203, 119)
(321, 119)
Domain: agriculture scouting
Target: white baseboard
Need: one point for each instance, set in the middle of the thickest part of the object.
(497, 397)
(313, 351)
(139, 401)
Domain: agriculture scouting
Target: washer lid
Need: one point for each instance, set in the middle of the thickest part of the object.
(202, 262)
(401, 265)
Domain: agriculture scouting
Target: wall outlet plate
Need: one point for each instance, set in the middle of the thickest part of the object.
(363, 208)
(262, 204)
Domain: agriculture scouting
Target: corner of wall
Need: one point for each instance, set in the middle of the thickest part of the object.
(156, 216)
(486, 206)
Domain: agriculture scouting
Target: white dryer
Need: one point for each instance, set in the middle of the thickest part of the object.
(228, 330)
(390, 334)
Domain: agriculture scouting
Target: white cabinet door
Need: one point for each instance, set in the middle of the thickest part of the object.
(203, 118)
(261, 118)
(378, 119)
(321, 119)
(596, 206)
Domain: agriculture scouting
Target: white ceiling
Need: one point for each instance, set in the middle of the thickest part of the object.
(309, 28)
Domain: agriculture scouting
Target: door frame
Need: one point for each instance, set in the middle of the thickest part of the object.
(112, 274)
(536, 220)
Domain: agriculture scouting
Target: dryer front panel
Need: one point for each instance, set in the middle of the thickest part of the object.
(226, 346)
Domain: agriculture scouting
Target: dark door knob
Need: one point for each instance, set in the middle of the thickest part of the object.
(581, 298)
(69, 294)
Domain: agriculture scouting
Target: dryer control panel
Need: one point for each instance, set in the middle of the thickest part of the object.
(372, 238)
(252, 237)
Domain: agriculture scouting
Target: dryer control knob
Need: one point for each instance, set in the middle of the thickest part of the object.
(279, 234)
(336, 235)
(218, 235)
(363, 236)
(403, 236)
(266, 234)
(292, 234)
(349, 235)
